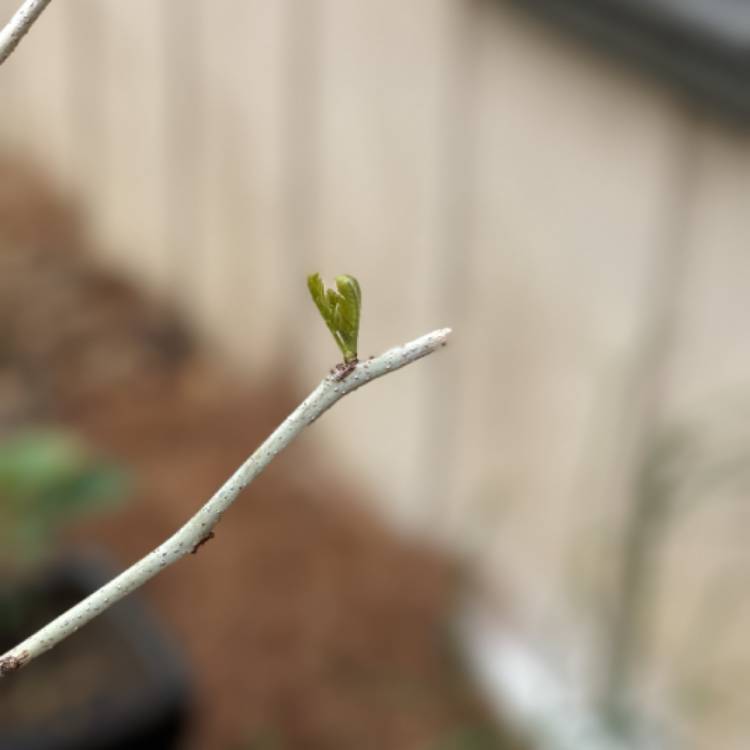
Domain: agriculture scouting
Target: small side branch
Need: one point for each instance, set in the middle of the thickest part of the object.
(200, 527)
(17, 27)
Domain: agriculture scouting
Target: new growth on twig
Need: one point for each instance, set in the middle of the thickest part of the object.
(340, 310)
(341, 314)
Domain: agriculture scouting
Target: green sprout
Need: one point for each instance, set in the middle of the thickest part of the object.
(340, 310)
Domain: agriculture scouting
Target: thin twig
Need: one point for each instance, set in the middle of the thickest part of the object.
(17, 27)
(200, 527)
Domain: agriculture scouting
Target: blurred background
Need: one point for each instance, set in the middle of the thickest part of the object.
(541, 532)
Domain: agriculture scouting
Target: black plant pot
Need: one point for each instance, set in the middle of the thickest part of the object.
(117, 684)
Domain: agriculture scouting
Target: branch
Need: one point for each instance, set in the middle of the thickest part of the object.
(17, 27)
(200, 527)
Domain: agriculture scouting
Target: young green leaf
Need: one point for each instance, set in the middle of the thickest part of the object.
(340, 309)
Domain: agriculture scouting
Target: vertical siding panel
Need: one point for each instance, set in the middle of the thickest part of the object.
(576, 166)
(243, 235)
(301, 160)
(450, 294)
(184, 91)
(700, 618)
(87, 53)
(39, 64)
(641, 413)
(217, 62)
(124, 188)
(709, 358)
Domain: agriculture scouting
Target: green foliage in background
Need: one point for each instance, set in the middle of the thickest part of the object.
(48, 479)
(340, 310)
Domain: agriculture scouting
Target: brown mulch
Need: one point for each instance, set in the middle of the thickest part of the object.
(304, 619)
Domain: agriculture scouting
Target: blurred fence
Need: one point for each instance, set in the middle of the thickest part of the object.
(583, 231)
